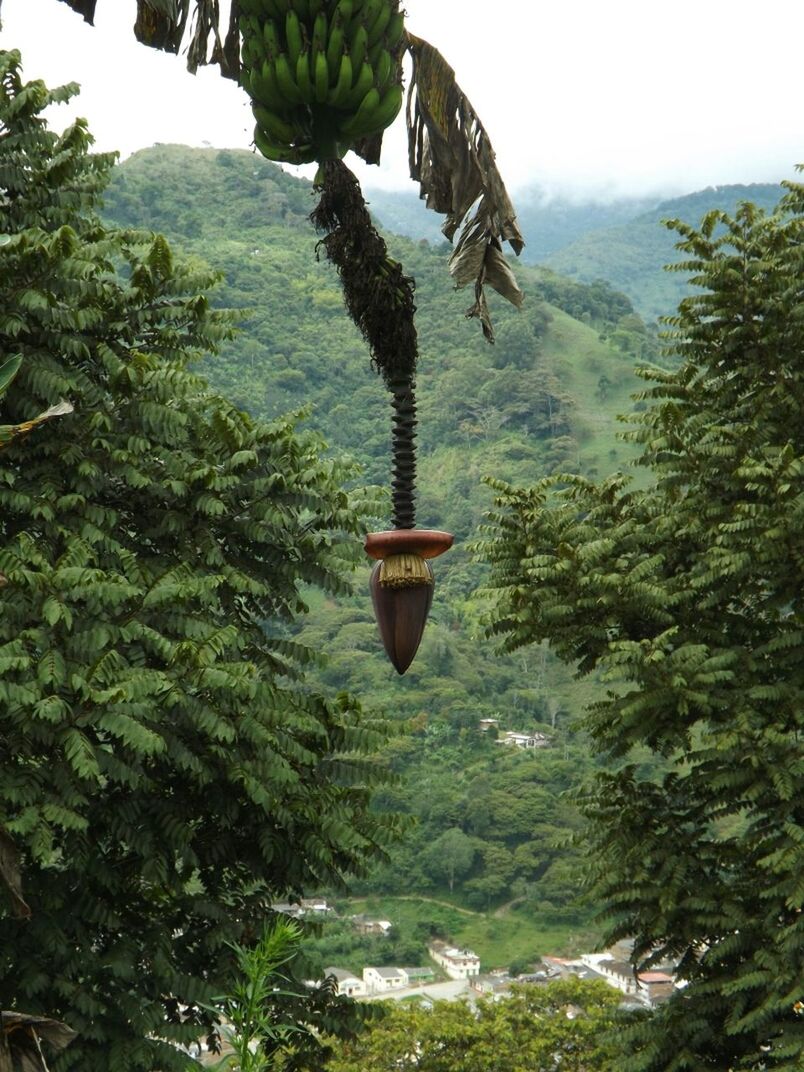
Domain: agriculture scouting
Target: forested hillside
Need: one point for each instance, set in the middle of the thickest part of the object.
(631, 257)
(541, 400)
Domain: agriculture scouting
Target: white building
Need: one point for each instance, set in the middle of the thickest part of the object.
(457, 963)
(524, 740)
(349, 984)
(378, 980)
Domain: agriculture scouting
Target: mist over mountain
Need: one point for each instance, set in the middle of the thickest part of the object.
(623, 241)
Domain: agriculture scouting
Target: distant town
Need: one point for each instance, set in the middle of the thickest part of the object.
(456, 973)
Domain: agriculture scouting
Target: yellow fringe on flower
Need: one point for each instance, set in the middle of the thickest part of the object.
(404, 571)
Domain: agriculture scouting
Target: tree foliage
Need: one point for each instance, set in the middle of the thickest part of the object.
(688, 596)
(165, 768)
(563, 1025)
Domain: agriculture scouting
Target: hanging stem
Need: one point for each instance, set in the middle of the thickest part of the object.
(403, 400)
(379, 298)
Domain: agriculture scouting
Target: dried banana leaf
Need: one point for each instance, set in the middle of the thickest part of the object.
(20, 1036)
(11, 431)
(451, 157)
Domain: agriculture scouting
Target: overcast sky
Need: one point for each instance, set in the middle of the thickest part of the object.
(584, 97)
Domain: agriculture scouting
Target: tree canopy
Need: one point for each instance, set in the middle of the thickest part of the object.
(687, 595)
(165, 769)
(566, 1024)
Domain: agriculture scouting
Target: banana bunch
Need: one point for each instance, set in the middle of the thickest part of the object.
(321, 74)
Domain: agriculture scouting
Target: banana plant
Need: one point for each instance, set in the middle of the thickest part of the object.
(326, 77)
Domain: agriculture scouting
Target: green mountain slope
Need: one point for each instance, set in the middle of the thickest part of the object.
(543, 399)
(623, 242)
(548, 223)
(631, 256)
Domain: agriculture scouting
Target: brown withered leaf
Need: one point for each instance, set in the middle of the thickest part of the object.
(86, 8)
(451, 157)
(20, 1035)
(10, 874)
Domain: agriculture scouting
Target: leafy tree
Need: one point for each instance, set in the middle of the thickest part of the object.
(688, 596)
(164, 769)
(563, 1025)
(451, 855)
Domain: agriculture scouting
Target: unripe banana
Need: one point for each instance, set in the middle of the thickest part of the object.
(377, 28)
(377, 113)
(359, 47)
(383, 70)
(285, 80)
(275, 127)
(321, 77)
(370, 10)
(344, 82)
(395, 31)
(288, 154)
(293, 36)
(364, 82)
(302, 9)
(343, 11)
(319, 40)
(304, 79)
(271, 38)
(263, 88)
(368, 106)
(334, 48)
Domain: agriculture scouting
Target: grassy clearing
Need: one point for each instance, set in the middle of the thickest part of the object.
(498, 941)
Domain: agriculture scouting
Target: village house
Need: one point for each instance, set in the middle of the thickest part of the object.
(419, 976)
(316, 906)
(379, 980)
(524, 740)
(488, 724)
(364, 925)
(457, 963)
(349, 984)
(650, 986)
(495, 985)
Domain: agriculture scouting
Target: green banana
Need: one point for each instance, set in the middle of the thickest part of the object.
(304, 78)
(359, 46)
(389, 107)
(377, 28)
(370, 10)
(293, 36)
(395, 31)
(263, 88)
(302, 9)
(364, 82)
(343, 11)
(375, 113)
(276, 127)
(344, 82)
(319, 40)
(271, 38)
(383, 70)
(334, 48)
(368, 106)
(321, 77)
(288, 154)
(285, 81)
(252, 52)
